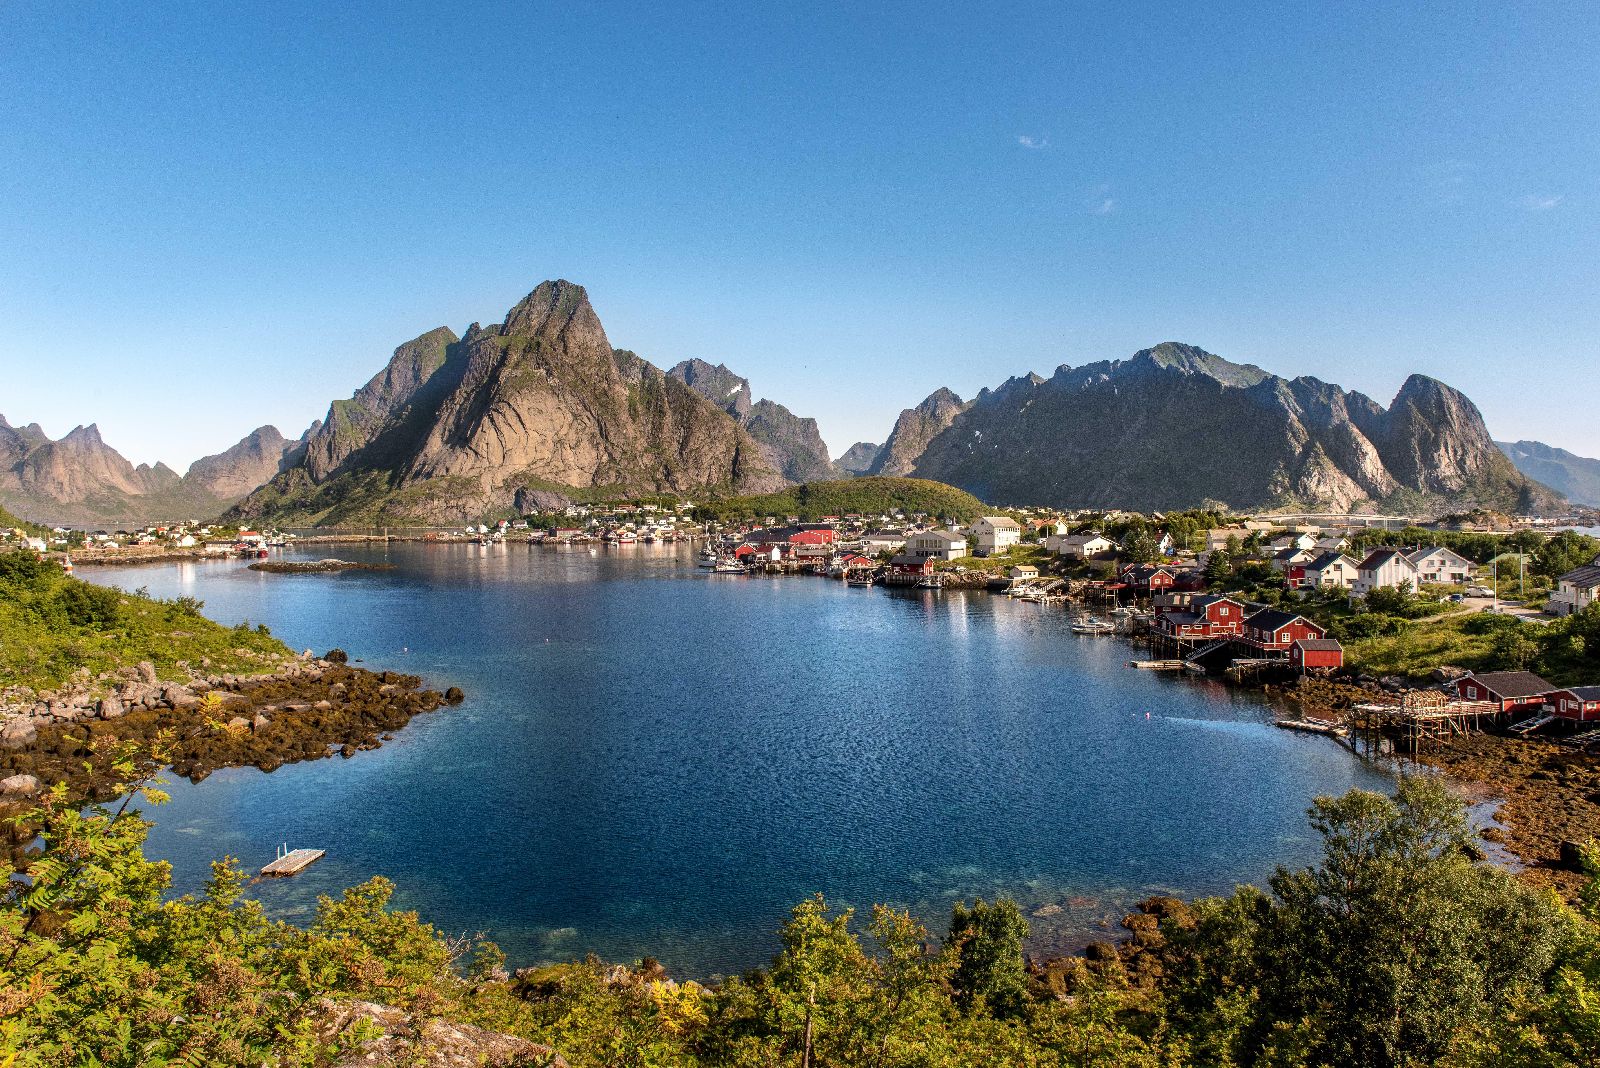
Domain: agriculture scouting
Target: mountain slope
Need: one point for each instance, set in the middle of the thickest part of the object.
(858, 458)
(1576, 476)
(1174, 426)
(793, 445)
(913, 430)
(81, 481)
(456, 428)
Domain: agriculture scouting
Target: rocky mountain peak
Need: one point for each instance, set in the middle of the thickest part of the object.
(717, 384)
(552, 307)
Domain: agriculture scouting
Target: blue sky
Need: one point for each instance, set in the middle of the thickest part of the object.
(218, 216)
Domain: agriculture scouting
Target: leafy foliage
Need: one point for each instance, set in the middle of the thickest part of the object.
(855, 496)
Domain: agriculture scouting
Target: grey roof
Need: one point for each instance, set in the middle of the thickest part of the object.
(1327, 560)
(1585, 577)
(1585, 693)
(1320, 645)
(1272, 619)
(1513, 684)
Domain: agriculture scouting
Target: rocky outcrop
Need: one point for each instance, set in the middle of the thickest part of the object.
(1578, 477)
(858, 458)
(792, 445)
(455, 428)
(1175, 426)
(382, 1036)
(912, 432)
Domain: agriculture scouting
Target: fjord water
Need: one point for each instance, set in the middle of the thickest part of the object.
(655, 760)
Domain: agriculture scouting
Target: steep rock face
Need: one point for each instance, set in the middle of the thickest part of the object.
(912, 432)
(792, 445)
(453, 428)
(236, 471)
(1576, 476)
(1175, 426)
(858, 458)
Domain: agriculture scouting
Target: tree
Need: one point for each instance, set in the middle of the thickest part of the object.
(1141, 546)
(987, 942)
(1219, 567)
(1398, 941)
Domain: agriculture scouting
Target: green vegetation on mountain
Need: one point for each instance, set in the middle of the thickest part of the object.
(53, 626)
(854, 496)
(1397, 949)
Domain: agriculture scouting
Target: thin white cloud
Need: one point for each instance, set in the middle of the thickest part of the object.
(1534, 202)
(1106, 206)
(1029, 141)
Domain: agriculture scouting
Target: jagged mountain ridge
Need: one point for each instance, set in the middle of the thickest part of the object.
(79, 480)
(1576, 476)
(858, 458)
(539, 404)
(913, 430)
(1174, 426)
(793, 445)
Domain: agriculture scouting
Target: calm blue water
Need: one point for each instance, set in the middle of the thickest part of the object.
(656, 760)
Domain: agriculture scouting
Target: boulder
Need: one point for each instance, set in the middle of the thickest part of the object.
(454, 695)
(385, 1037)
(147, 672)
(110, 708)
(18, 733)
(20, 786)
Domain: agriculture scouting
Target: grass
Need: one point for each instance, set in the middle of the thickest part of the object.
(1421, 647)
(54, 627)
(855, 496)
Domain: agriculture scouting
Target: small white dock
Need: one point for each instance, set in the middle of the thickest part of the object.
(293, 861)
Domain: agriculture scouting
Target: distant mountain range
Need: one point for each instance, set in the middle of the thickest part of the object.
(79, 480)
(1576, 476)
(1173, 426)
(540, 409)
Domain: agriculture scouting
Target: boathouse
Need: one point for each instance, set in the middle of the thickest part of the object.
(1509, 691)
(1316, 654)
(1578, 703)
(1274, 630)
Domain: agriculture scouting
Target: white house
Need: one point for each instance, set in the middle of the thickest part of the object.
(1291, 555)
(1080, 546)
(36, 544)
(1303, 542)
(936, 545)
(1384, 567)
(1576, 590)
(1331, 570)
(996, 533)
(883, 541)
(1440, 565)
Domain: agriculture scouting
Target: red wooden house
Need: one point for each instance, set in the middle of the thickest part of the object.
(1316, 654)
(1148, 578)
(1509, 691)
(1273, 630)
(1208, 617)
(1580, 703)
(906, 565)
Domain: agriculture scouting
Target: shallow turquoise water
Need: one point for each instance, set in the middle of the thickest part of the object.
(656, 760)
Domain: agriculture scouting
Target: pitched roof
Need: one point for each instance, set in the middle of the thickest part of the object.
(1272, 619)
(1378, 557)
(1327, 560)
(1423, 554)
(945, 535)
(1319, 645)
(1004, 522)
(1585, 693)
(1290, 553)
(1512, 683)
(1586, 577)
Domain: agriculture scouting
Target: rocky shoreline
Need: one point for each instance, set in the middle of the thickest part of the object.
(305, 709)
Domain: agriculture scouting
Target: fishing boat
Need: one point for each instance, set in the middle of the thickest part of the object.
(930, 582)
(1092, 625)
(859, 578)
(728, 567)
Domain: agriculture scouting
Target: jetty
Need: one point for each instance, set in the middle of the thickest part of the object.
(1311, 726)
(292, 861)
(1158, 665)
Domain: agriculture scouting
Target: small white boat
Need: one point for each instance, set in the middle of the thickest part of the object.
(728, 567)
(1092, 625)
(930, 582)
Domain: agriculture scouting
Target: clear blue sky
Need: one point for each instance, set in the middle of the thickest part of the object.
(214, 216)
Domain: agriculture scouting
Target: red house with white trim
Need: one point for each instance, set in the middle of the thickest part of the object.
(1509, 691)
(1316, 654)
(1212, 616)
(1578, 703)
(1275, 631)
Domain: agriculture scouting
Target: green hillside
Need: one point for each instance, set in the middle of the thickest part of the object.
(863, 496)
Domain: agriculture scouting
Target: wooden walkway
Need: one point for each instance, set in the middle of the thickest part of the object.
(293, 862)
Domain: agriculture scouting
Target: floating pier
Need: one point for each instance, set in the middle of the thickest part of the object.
(1157, 665)
(292, 861)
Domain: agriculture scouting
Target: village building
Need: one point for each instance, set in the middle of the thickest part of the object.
(1290, 557)
(1576, 590)
(906, 568)
(996, 533)
(1316, 654)
(936, 545)
(1441, 566)
(1273, 630)
(1208, 617)
(1509, 691)
(1581, 703)
(888, 540)
(1080, 546)
(1148, 578)
(1022, 572)
(1331, 570)
(1384, 567)
(1217, 537)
